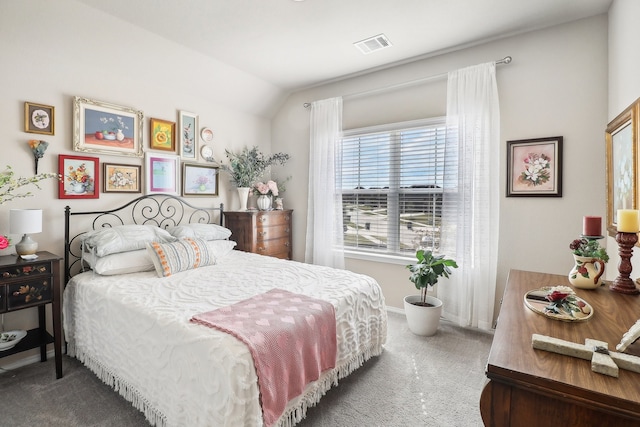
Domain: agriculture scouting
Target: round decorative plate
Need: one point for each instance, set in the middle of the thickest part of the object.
(573, 309)
(9, 339)
(206, 134)
(207, 153)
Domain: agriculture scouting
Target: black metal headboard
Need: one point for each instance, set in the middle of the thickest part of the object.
(161, 210)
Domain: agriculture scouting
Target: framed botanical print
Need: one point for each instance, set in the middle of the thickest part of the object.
(39, 118)
(118, 178)
(534, 167)
(188, 128)
(80, 177)
(621, 137)
(199, 180)
(162, 135)
(100, 127)
(162, 173)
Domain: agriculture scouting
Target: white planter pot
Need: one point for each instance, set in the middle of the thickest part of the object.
(422, 320)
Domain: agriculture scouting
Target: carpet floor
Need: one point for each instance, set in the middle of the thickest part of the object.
(417, 381)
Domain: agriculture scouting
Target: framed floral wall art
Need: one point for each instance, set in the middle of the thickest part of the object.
(39, 118)
(80, 177)
(162, 135)
(162, 173)
(199, 180)
(188, 128)
(534, 167)
(622, 140)
(100, 127)
(119, 178)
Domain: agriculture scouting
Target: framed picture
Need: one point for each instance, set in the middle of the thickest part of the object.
(39, 118)
(534, 167)
(199, 180)
(622, 144)
(119, 178)
(162, 135)
(80, 177)
(162, 173)
(100, 127)
(188, 124)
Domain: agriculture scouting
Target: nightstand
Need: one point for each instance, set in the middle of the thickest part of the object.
(33, 284)
(261, 232)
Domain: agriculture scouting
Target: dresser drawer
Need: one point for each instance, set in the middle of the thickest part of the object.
(3, 299)
(28, 293)
(272, 219)
(273, 246)
(9, 273)
(268, 233)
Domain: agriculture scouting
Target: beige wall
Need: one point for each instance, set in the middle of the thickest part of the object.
(52, 51)
(556, 85)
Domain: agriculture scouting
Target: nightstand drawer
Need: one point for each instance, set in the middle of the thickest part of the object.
(3, 299)
(271, 219)
(268, 233)
(24, 271)
(28, 293)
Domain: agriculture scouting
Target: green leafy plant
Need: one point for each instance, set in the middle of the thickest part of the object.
(247, 166)
(428, 270)
(9, 183)
(589, 248)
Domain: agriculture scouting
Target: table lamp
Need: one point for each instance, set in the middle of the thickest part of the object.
(25, 222)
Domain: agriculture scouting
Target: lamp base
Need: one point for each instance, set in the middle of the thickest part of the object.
(27, 246)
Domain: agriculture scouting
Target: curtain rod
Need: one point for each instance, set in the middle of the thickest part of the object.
(505, 60)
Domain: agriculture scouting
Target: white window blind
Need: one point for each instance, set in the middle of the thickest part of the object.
(392, 184)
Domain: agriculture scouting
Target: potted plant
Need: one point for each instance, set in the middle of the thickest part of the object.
(247, 166)
(589, 262)
(423, 311)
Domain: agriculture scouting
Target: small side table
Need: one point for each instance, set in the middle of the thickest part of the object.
(33, 284)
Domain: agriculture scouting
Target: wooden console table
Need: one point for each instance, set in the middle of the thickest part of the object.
(534, 387)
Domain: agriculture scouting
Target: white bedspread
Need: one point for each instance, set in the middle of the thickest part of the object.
(133, 331)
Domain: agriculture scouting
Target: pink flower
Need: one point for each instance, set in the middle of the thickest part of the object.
(262, 188)
(273, 187)
(4, 242)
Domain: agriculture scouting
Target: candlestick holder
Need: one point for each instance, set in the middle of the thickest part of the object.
(623, 282)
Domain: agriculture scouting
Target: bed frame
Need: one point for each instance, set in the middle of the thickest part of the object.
(161, 210)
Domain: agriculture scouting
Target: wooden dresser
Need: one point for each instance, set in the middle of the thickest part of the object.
(261, 232)
(534, 387)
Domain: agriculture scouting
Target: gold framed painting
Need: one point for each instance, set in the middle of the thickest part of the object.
(621, 138)
(39, 118)
(162, 135)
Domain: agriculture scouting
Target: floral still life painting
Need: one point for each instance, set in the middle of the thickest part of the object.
(534, 167)
(199, 180)
(79, 177)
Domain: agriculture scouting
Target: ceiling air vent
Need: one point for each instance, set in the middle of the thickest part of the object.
(372, 44)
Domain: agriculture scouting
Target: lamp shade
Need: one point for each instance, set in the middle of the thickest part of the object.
(25, 221)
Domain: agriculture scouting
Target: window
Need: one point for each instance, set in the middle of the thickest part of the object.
(392, 182)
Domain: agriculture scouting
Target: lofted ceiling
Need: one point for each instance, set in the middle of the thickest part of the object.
(296, 44)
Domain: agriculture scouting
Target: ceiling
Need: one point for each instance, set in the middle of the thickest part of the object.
(296, 44)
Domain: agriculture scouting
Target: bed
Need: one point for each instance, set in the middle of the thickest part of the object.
(135, 329)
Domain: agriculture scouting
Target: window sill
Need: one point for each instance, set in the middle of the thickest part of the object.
(389, 259)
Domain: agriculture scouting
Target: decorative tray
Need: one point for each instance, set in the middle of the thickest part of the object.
(558, 302)
(9, 339)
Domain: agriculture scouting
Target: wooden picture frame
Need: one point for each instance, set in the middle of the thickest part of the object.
(199, 180)
(162, 173)
(80, 177)
(101, 127)
(162, 135)
(188, 127)
(621, 137)
(534, 167)
(39, 118)
(119, 178)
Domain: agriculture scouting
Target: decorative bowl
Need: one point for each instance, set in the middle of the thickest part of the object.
(9, 339)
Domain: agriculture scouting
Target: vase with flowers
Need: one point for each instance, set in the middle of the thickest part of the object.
(79, 179)
(589, 262)
(265, 192)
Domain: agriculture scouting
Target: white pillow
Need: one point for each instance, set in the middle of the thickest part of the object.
(200, 231)
(220, 248)
(174, 257)
(124, 238)
(120, 263)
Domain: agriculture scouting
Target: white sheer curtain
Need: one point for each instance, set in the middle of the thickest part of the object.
(324, 210)
(473, 112)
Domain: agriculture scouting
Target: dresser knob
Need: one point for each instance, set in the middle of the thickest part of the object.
(287, 229)
(286, 244)
(287, 217)
(262, 218)
(262, 233)
(261, 249)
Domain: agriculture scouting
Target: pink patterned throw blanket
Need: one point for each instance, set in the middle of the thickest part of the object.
(291, 337)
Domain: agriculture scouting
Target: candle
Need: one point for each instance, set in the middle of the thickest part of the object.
(628, 221)
(591, 226)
